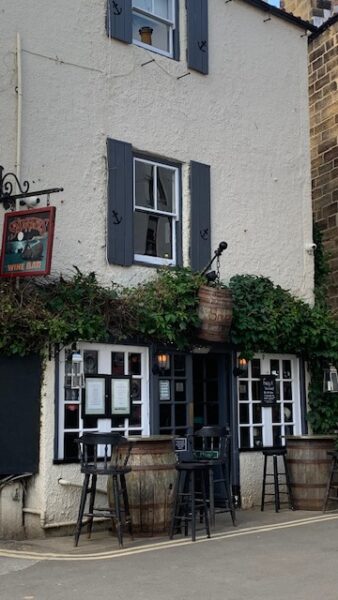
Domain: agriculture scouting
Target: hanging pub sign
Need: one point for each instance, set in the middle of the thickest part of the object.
(268, 390)
(27, 242)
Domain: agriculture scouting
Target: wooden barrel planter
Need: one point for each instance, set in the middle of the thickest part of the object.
(309, 468)
(151, 484)
(215, 313)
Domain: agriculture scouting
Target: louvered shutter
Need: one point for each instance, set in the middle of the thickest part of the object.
(119, 20)
(200, 215)
(197, 30)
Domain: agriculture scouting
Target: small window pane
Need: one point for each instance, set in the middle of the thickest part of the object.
(211, 367)
(135, 417)
(289, 430)
(256, 390)
(244, 413)
(117, 421)
(143, 4)
(277, 390)
(72, 412)
(256, 367)
(179, 365)
(287, 390)
(136, 390)
(162, 8)
(180, 414)
(90, 422)
(117, 363)
(134, 363)
(274, 367)
(212, 414)
(71, 395)
(90, 362)
(244, 437)
(276, 436)
(165, 415)
(152, 235)
(243, 390)
(144, 184)
(258, 437)
(257, 413)
(180, 395)
(70, 446)
(276, 414)
(165, 189)
(157, 34)
(287, 373)
(288, 412)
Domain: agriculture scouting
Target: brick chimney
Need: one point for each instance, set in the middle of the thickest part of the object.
(315, 11)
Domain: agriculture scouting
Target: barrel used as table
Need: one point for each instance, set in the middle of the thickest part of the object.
(309, 469)
(150, 484)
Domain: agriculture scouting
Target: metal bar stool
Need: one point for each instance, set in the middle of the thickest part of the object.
(275, 476)
(187, 503)
(214, 451)
(332, 484)
(112, 463)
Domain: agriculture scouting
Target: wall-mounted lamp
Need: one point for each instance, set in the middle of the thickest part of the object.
(330, 383)
(162, 363)
(241, 367)
(76, 381)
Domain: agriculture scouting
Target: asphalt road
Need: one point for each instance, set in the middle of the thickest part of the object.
(291, 556)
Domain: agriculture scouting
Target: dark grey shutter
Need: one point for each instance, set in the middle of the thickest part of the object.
(19, 414)
(200, 215)
(197, 29)
(120, 203)
(176, 40)
(119, 20)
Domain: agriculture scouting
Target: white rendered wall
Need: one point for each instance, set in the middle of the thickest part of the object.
(248, 119)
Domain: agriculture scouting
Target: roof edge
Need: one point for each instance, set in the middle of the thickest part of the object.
(282, 14)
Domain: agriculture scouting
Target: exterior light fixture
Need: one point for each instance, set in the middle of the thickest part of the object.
(77, 371)
(9, 182)
(162, 363)
(241, 367)
(330, 383)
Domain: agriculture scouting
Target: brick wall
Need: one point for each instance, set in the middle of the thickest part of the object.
(323, 98)
(316, 11)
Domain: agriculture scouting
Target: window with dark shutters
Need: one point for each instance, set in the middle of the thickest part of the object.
(197, 30)
(200, 215)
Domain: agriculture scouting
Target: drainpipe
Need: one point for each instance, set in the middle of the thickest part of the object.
(67, 483)
(19, 112)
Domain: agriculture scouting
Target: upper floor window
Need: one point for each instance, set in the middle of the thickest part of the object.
(154, 25)
(156, 189)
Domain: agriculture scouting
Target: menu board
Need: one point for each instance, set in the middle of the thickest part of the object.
(268, 390)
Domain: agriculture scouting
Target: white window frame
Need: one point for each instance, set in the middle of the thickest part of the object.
(267, 423)
(104, 368)
(156, 18)
(174, 215)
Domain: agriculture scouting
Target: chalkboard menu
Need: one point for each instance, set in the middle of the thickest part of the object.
(268, 390)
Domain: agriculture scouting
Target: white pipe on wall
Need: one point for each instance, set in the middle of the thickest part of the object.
(19, 111)
(67, 483)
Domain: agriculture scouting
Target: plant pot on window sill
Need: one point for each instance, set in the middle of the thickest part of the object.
(145, 35)
(215, 313)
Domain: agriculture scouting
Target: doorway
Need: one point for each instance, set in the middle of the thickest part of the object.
(210, 390)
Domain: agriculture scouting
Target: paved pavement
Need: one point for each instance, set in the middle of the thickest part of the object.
(269, 556)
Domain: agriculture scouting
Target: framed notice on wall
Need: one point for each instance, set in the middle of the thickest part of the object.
(268, 390)
(27, 242)
(94, 397)
(120, 393)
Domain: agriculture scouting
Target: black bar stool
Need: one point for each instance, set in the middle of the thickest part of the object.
(275, 476)
(116, 451)
(332, 484)
(214, 450)
(187, 501)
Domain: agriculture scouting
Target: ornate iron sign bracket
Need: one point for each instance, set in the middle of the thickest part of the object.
(9, 182)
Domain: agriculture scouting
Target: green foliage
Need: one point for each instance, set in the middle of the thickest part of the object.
(37, 312)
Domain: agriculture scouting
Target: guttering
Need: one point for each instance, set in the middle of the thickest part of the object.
(286, 16)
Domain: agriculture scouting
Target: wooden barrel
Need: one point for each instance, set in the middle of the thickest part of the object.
(215, 313)
(151, 484)
(309, 469)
